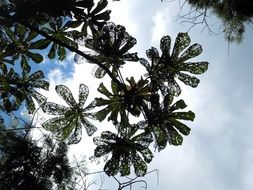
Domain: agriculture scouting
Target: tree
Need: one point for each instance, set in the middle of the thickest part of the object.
(62, 29)
(234, 15)
(24, 165)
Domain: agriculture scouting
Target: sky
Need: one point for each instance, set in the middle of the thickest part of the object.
(218, 153)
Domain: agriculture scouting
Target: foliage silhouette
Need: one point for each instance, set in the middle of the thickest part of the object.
(234, 15)
(72, 118)
(61, 29)
(24, 165)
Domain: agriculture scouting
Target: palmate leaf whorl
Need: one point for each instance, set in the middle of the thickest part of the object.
(165, 68)
(69, 121)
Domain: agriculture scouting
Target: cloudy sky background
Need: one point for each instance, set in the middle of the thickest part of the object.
(218, 153)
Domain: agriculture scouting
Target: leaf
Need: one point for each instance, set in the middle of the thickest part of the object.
(100, 6)
(193, 51)
(188, 80)
(182, 41)
(124, 168)
(147, 155)
(111, 167)
(195, 68)
(101, 150)
(30, 104)
(40, 44)
(36, 57)
(36, 76)
(184, 115)
(76, 136)
(61, 53)
(54, 109)
(101, 115)
(140, 167)
(153, 54)
(90, 128)
(31, 36)
(103, 90)
(38, 97)
(180, 104)
(41, 84)
(184, 129)
(83, 94)
(51, 54)
(174, 137)
(21, 30)
(64, 92)
(165, 45)
(25, 66)
(100, 73)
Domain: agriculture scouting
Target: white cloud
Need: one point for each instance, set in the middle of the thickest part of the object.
(162, 22)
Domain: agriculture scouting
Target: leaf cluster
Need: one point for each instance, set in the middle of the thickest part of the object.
(58, 31)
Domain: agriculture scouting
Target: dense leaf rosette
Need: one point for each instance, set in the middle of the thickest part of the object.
(16, 88)
(18, 44)
(119, 101)
(59, 30)
(94, 18)
(163, 121)
(70, 120)
(170, 65)
(111, 45)
(126, 149)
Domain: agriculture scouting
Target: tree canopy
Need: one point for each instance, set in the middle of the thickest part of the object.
(31, 29)
(234, 14)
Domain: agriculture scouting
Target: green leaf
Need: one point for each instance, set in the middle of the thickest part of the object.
(76, 136)
(100, 6)
(184, 129)
(140, 167)
(147, 155)
(174, 137)
(36, 57)
(61, 53)
(10, 33)
(83, 94)
(51, 54)
(114, 87)
(100, 73)
(160, 137)
(111, 167)
(182, 41)
(41, 84)
(124, 168)
(193, 51)
(153, 54)
(31, 36)
(194, 68)
(54, 109)
(90, 128)
(101, 115)
(40, 44)
(25, 66)
(184, 115)
(188, 80)
(21, 30)
(180, 104)
(64, 92)
(103, 90)
(30, 104)
(36, 76)
(73, 24)
(165, 45)
(102, 150)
